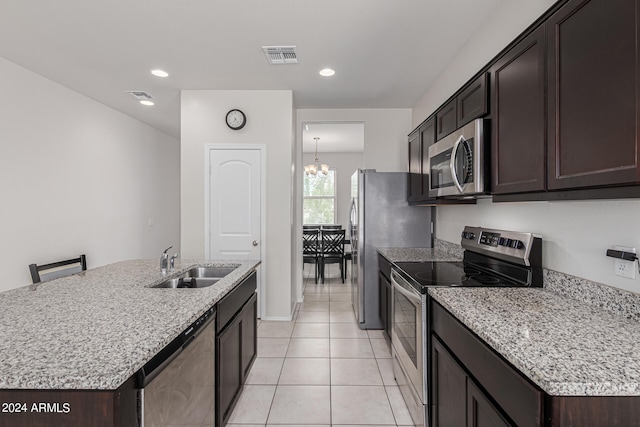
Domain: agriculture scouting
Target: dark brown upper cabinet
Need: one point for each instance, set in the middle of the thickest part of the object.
(518, 136)
(427, 137)
(414, 191)
(472, 102)
(446, 119)
(419, 141)
(593, 94)
(468, 105)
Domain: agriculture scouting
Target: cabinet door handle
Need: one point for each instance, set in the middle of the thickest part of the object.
(255, 243)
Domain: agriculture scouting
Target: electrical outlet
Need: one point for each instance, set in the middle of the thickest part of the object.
(151, 221)
(624, 268)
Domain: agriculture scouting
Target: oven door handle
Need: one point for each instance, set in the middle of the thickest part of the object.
(412, 296)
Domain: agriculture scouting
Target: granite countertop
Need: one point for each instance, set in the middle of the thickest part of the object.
(416, 255)
(566, 347)
(95, 329)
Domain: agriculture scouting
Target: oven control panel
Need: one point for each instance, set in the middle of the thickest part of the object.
(489, 239)
(512, 246)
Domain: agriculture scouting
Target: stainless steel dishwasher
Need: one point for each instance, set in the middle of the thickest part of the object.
(177, 386)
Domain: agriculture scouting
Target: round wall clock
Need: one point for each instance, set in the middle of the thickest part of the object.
(236, 119)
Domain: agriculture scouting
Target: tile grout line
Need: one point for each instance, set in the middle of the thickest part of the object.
(295, 322)
(330, 364)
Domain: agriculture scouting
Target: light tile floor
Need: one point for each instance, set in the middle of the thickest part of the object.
(321, 369)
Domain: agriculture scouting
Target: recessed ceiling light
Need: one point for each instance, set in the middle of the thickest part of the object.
(327, 72)
(146, 102)
(160, 73)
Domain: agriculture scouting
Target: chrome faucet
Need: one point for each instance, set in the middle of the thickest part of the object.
(164, 261)
(172, 262)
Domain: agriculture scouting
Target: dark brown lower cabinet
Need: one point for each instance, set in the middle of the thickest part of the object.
(449, 385)
(473, 386)
(385, 303)
(480, 411)
(384, 286)
(72, 408)
(228, 370)
(236, 349)
(249, 335)
(458, 401)
(518, 399)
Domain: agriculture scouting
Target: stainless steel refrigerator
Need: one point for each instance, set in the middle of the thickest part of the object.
(380, 218)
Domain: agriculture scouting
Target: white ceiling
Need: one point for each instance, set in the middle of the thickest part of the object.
(386, 53)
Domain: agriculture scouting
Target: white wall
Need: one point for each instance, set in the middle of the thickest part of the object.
(508, 20)
(78, 177)
(296, 209)
(345, 164)
(385, 133)
(270, 122)
(575, 234)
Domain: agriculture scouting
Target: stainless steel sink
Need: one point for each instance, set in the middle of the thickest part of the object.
(209, 272)
(198, 277)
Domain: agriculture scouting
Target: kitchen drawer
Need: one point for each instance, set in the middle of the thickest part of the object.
(384, 266)
(516, 395)
(234, 300)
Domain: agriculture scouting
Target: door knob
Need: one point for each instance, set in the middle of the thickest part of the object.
(255, 243)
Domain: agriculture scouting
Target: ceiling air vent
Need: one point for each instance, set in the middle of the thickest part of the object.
(140, 95)
(280, 54)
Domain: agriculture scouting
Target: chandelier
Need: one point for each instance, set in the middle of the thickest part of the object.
(316, 167)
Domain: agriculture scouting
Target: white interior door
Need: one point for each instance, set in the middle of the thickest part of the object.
(235, 206)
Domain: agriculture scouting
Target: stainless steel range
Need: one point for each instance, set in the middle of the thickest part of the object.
(492, 258)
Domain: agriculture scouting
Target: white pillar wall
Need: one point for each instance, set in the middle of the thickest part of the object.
(270, 118)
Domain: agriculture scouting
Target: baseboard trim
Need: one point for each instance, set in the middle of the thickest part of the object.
(282, 318)
(278, 318)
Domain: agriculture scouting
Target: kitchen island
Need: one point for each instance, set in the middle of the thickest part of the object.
(89, 333)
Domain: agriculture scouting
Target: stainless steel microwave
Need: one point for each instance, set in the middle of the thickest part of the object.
(457, 162)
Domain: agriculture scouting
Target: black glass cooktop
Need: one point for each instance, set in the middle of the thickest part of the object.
(453, 274)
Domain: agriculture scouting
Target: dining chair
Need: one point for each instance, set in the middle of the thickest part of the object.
(55, 270)
(311, 248)
(332, 251)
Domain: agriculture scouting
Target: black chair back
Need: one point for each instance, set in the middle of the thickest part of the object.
(58, 269)
(331, 227)
(310, 242)
(332, 250)
(311, 248)
(332, 243)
